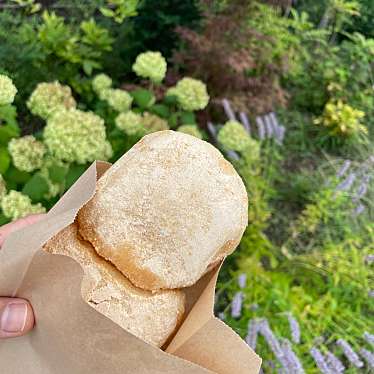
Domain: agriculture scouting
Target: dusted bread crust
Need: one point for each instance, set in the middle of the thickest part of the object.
(152, 317)
(166, 210)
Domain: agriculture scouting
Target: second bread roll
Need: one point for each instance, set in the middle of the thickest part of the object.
(152, 317)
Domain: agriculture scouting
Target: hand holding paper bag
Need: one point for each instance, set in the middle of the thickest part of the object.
(16, 315)
(90, 341)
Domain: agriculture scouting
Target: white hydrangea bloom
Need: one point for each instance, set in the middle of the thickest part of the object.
(16, 205)
(49, 98)
(27, 153)
(76, 136)
(7, 90)
(150, 65)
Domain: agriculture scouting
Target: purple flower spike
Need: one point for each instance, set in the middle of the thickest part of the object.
(261, 128)
(346, 165)
(236, 305)
(334, 363)
(245, 121)
(242, 280)
(320, 361)
(228, 110)
(369, 260)
(371, 293)
(295, 328)
(368, 356)
(268, 126)
(347, 183)
(233, 155)
(350, 353)
(251, 338)
(282, 131)
(293, 363)
(212, 130)
(369, 338)
(359, 209)
(271, 339)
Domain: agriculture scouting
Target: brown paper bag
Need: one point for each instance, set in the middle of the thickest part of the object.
(71, 337)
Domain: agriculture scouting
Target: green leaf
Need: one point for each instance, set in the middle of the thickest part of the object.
(75, 171)
(173, 120)
(170, 100)
(8, 113)
(4, 160)
(57, 173)
(161, 110)
(3, 219)
(106, 12)
(17, 176)
(188, 118)
(143, 98)
(8, 132)
(36, 187)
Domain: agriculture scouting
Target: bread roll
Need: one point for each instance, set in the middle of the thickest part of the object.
(152, 317)
(166, 210)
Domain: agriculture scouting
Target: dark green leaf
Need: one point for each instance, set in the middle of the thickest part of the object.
(4, 160)
(143, 98)
(170, 100)
(36, 187)
(75, 171)
(57, 173)
(8, 132)
(188, 118)
(161, 110)
(17, 176)
(8, 114)
(3, 219)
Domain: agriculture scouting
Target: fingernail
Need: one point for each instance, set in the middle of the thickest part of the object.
(13, 318)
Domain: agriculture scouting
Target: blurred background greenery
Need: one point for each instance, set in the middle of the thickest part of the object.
(290, 104)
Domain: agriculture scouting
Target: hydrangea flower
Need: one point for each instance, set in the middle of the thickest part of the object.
(2, 187)
(16, 205)
(130, 123)
(150, 65)
(191, 94)
(233, 136)
(7, 90)
(190, 130)
(100, 83)
(119, 100)
(76, 136)
(49, 98)
(27, 153)
(153, 123)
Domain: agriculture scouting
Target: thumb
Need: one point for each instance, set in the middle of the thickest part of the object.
(16, 317)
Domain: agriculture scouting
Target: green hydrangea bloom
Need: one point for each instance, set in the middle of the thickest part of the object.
(119, 100)
(191, 130)
(191, 94)
(2, 187)
(153, 123)
(7, 90)
(16, 205)
(150, 65)
(27, 153)
(49, 98)
(233, 136)
(100, 83)
(130, 123)
(76, 136)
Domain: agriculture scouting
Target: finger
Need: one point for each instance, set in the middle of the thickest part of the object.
(16, 317)
(16, 225)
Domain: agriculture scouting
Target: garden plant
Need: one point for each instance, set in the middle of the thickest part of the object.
(284, 89)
